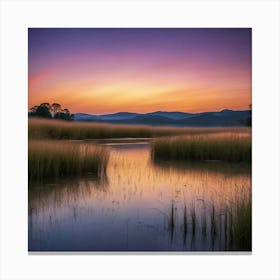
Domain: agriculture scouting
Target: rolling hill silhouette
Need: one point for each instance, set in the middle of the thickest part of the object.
(161, 118)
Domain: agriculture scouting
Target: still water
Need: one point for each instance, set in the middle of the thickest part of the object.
(138, 206)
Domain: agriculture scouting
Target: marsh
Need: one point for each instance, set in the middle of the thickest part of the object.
(139, 204)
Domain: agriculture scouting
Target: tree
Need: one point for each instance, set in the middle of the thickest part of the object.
(33, 110)
(41, 111)
(64, 115)
(55, 111)
(46, 105)
(55, 108)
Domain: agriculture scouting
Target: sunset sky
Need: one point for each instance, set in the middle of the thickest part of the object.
(141, 70)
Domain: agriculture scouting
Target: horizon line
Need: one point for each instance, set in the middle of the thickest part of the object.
(226, 109)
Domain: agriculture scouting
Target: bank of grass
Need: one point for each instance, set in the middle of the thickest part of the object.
(55, 159)
(53, 129)
(227, 146)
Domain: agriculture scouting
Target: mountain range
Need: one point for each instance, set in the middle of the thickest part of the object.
(161, 118)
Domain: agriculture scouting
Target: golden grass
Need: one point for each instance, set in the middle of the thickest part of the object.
(227, 146)
(54, 159)
(53, 129)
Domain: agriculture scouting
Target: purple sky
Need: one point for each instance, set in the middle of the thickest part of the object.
(106, 70)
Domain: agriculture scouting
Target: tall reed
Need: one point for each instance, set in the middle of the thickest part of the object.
(235, 223)
(221, 146)
(242, 223)
(172, 217)
(185, 221)
(53, 129)
(213, 221)
(55, 159)
(203, 221)
(193, 218)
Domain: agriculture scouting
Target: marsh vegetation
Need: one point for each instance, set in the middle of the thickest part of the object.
(55, 159)
(52, 129)
(235, 147)
(172, 189)
(229, 224)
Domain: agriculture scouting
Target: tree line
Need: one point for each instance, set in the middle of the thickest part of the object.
(50, 111)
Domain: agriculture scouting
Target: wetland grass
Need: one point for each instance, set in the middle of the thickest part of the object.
(231, 147)
(185, 225)
(55, 159)
(172, 217)
(234, 230)
(241, 224)
(53, 129)
(203, 222)
(185, 220)
(193, 218)
(213, 222)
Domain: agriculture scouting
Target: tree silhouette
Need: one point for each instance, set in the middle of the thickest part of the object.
(55, 108)
(33, 109)
(64, 115)
(55, 111)
(46, 105)
(41, 111)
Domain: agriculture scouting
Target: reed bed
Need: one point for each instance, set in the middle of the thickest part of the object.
(228, 227)
(55, 159)
(227, 146)
(53, 129)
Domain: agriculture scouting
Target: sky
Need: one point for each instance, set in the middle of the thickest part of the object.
(107, 70)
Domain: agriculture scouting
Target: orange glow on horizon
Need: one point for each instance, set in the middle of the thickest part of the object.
(96, 98)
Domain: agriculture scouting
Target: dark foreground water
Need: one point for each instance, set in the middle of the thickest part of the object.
(139, 206)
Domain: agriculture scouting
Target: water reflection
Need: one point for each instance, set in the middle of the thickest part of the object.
(130, 209)
(210, 165)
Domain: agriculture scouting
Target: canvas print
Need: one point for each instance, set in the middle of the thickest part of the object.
(139, 140)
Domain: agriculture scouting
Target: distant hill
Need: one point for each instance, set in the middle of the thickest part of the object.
(150, 119)
(85, 117)
(119, 116)
(160, 118)
(171, 115)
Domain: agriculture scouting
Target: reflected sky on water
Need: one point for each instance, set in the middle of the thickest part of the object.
(129, 209)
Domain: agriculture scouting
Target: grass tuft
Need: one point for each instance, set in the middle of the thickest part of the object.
(55, 159)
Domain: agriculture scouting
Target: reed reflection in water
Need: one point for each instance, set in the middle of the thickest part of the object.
(133, 207)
